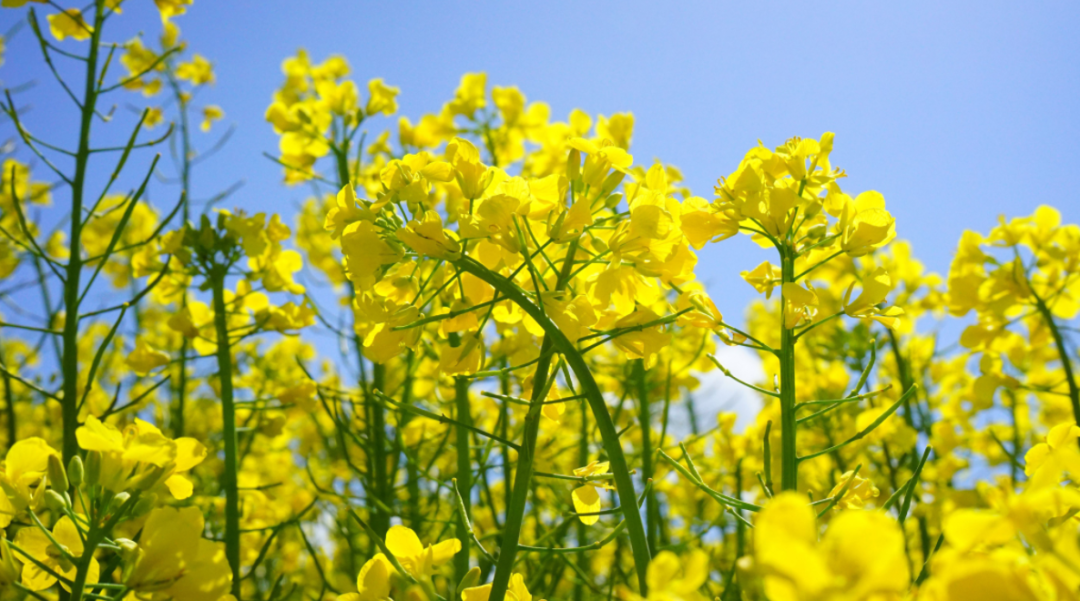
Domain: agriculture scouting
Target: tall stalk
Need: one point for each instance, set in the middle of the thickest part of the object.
(789, 463)
(228, 418)
(464, 472)
(652, 511)
(70, 360)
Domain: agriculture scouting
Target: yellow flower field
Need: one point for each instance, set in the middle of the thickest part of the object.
(462, 373)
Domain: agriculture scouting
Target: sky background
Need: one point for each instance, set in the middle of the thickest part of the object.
(956, 112)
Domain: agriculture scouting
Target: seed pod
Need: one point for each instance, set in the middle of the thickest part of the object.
(57, 474)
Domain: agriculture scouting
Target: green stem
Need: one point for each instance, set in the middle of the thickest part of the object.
(788, 462)
(464, 473)
(70, 360)
(651, 510)
(228, 418)
(624, 484)
(380, 520)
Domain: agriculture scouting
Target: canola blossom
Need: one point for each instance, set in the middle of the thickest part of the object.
(455, 372)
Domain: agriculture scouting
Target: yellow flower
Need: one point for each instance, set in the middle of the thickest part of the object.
(211, 113)
(763, 278)
(418, 560)
(586, 498)
(382, 99)
(70, 24)
(198, 71)
(861, 555)
(60, 560)
(427, 237)
(145, 359)
(373, 582)
(470, 95)
(1046, 462)
(858, 493)
(800, 305)
(515, 591)
(875, 289)
(174, 560)
(141, 455)
(865, 224)
(23, 476)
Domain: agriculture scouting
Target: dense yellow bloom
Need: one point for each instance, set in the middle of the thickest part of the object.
(173, 559)
(141, 456)
(861, 555)
(58, 559)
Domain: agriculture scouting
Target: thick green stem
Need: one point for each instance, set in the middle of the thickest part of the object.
(789, 464)
(644, 417)
(70, 359)
(464, 473)
(624, 484)
(228, 418)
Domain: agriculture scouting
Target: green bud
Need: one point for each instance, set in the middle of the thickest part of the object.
(144, 505)
(817, 232)
(611, 182)
(93, 468)
(54, 501)
(57, 474)
(613, 201)
(472, 577)
(75, 471)
(121, 498)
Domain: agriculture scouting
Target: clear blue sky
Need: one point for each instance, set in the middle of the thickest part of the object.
(955, 111)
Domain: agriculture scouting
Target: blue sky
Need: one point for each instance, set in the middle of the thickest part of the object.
(956, 111)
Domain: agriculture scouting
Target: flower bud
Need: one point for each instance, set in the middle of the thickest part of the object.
(470, 579)
(573, 165)
(613, 201)
(93, 468)
(143, 506)
(57, 474)
(611, 182)
(148, 478)
(75, 471)
(817, 232)
(121, 498)
(54, 501)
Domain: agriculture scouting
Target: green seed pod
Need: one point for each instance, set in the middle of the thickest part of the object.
(58, 478)
(75, 471)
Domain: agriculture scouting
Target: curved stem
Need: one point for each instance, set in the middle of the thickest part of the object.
(624, 485)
